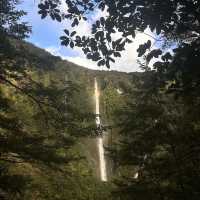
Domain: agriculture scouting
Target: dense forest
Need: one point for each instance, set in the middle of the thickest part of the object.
(151, 119)
(48, 128)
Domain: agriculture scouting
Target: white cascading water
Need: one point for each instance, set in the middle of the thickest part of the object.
(102, 161)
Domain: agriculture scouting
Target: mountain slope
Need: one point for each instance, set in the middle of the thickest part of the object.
(51, 154)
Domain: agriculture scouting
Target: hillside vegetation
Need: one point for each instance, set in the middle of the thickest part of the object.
(48, 147)
(151, 120)
(49, 153)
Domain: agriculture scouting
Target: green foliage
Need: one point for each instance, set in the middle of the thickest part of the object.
(175, 22)
(159, 141)
(161, 123)
(45, 109)
(44, 112)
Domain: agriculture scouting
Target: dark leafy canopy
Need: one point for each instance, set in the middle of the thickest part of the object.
(160, 142)
(176, 23)
(174, 19)
(10, 26)
(10, 20)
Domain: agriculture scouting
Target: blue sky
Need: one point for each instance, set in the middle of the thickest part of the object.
(46, 33)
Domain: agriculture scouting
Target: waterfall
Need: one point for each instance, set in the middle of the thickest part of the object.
(100, 139)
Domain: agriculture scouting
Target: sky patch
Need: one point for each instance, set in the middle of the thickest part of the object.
(46, 34)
